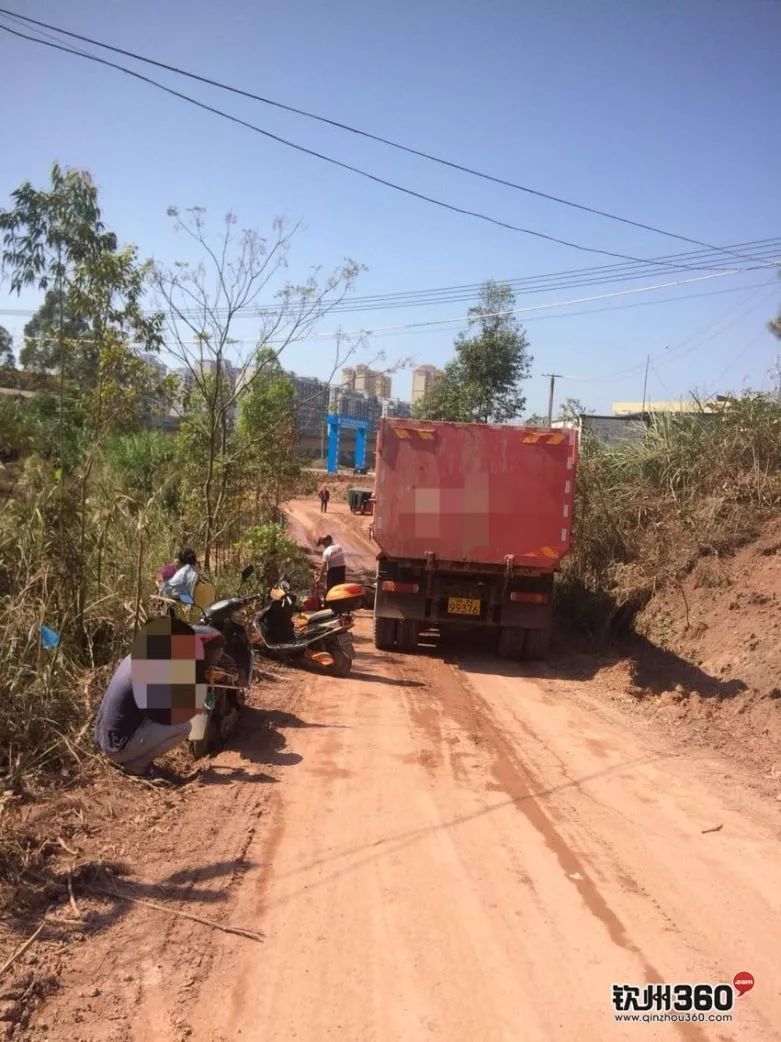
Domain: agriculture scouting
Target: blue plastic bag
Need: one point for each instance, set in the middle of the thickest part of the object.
(49, 639)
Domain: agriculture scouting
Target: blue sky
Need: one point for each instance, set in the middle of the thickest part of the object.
(666, 113)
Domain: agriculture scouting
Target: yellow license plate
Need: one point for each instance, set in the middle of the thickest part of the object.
(463, 606)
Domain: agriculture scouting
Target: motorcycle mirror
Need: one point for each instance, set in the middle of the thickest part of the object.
(248, 571)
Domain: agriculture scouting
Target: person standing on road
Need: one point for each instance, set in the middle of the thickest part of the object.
(325, 495)
(332, 569)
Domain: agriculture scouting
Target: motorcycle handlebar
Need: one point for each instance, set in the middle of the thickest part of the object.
(251, 598)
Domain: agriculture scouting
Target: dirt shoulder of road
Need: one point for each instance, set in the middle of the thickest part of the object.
(705, 665)
(84, 862)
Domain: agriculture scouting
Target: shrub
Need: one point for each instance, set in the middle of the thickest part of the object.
(273, 553)
(647, 511)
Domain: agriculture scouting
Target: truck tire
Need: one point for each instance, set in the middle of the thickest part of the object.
(512, 643)
(408, 635)
(537, 645)
(384, 633)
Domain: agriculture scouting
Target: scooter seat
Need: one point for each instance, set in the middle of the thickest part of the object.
(318, 617)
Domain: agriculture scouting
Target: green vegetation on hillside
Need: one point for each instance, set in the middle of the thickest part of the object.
(646, 511)
(93, 502)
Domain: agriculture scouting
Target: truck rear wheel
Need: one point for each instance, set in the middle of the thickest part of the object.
(408, 635)
(512, 643)
(384, 633)
(537, 645)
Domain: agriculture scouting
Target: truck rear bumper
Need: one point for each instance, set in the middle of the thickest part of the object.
(531, 616)
(517, 602)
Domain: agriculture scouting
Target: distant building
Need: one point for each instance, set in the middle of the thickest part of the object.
(682, 405)
(153, 362)
(422, 379)
(241, 376)
(393, 407)
(234, 375)
(368, 381)
(158, 409)
(185, 378)
(632, 420)
(614, 429)
(311, 405)
(347, 402)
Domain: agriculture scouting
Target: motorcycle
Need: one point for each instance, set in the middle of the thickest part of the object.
(230, 679)
(323, 637)
(225, 696)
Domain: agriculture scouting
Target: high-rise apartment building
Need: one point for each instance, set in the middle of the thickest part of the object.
(311, 405)
(362, 378)
(422, 379)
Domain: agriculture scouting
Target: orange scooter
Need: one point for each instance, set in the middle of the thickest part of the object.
(322, 637)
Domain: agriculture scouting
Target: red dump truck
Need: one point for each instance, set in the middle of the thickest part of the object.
(472, 521)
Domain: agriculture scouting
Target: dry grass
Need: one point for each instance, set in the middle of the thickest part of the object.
(647, 512)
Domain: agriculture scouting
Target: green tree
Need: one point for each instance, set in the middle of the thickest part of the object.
(41, 351)
(6, 349)
(266, 436)
(140, 463)
(16, 434)
(484, 382)
(55, 239)
(274, 553)
(203, 301)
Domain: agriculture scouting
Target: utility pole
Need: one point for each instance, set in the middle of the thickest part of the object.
(775, 373)
(645, 381)
(553, 377)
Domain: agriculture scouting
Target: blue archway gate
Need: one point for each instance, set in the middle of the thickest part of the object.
(336, 423)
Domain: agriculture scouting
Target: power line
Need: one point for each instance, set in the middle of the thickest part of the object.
(598, 276)
(554, 280)
(739, 356)
(690, 343)
(595, 311)
(319, 155)
(727, 322)
(460, 319)
(557, 280)
(532, 318)
(368, 134)
(544, 283)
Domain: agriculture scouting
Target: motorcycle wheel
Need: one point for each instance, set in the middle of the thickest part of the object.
(202, 746)
(222, 719)
(342, 663)
(229, 718)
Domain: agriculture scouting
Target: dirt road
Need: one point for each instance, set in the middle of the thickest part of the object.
(455, 850)
(307, 524)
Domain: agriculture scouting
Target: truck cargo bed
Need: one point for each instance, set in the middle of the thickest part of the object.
(474, 493)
